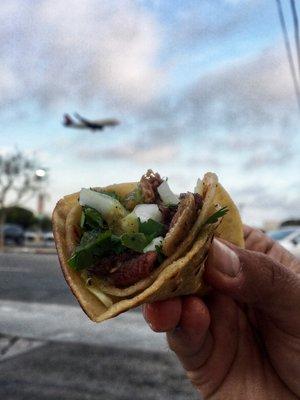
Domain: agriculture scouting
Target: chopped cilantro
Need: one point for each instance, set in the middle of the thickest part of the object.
(133, 198)
(93, 244)
(96, 243)
(117, 246)
(218, 214)
(91, 219)
(135, 241)
(160, 255)
(151, 228)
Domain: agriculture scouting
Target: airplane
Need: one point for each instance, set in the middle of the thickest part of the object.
(83, 123)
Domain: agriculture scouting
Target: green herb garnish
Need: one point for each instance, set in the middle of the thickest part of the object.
(135, 241)
(93, 244)
(151, 228)
(218, 214)
(91, 219)
(160, 255)
(133, 198)
(117, 246)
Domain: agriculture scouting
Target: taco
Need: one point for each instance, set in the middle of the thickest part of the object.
(132, 243)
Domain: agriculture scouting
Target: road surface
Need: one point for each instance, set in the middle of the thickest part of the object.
(49, 350)
(33, 278)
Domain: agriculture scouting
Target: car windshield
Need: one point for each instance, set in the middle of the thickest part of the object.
(279, 235)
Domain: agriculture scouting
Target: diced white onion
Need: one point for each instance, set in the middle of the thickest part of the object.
(88, 280)
(147, 211)
(155, 242)
(103, 203)
(166, 194)
(100, 295)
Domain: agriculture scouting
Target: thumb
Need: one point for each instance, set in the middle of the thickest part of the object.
(255, 279)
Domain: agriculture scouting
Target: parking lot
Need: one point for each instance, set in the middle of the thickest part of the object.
(50, 350)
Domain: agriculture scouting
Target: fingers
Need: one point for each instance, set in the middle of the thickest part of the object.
(247, 230)
(163, 316)
(190, 340)
(209, 375)
(254, 278)
(256, 240)
(186, 322)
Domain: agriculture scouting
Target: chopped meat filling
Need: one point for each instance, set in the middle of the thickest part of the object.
(149, 184)
(135, 269)
(127, 268)
(181, 223)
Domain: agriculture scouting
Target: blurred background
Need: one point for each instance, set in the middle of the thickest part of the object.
(179, 87)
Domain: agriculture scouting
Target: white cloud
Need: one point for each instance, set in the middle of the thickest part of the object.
(95, 50)
(139, 152)
(9, 83)
(252, 92)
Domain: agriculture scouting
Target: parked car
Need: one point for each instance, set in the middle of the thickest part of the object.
(289, 238)
(31, 238)
(13, 234)
(48, 239)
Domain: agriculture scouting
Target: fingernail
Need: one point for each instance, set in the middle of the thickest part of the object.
(225, 260)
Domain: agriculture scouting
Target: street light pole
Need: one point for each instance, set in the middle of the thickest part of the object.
(41, 177)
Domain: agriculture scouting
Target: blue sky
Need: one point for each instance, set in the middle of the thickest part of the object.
(197, 85)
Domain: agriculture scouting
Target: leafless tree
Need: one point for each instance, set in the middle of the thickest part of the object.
(18, 182)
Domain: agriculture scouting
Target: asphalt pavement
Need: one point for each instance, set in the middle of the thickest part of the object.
(33, 278)
(50, 350)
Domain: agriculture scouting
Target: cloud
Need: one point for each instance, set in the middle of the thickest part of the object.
(265, 158)
(250, 98)
(139, 152)
(95, 50)
(259, 149)
(205, 24)
(265, 201)
(197, 28)
(251, 92)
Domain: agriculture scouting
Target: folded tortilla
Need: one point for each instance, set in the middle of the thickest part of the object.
(179, 274)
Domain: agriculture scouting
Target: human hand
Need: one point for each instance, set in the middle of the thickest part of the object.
(243, 340)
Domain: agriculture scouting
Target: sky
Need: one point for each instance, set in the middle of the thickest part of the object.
(197, 85)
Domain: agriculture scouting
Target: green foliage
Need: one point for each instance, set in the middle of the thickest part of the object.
(26, 218)
(45, 223)
(20, 216)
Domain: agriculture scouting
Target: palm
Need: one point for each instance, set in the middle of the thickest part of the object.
(237, 366)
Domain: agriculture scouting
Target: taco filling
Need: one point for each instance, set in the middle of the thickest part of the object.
(122, 240)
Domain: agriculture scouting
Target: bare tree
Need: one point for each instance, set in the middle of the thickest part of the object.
(18, 182)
